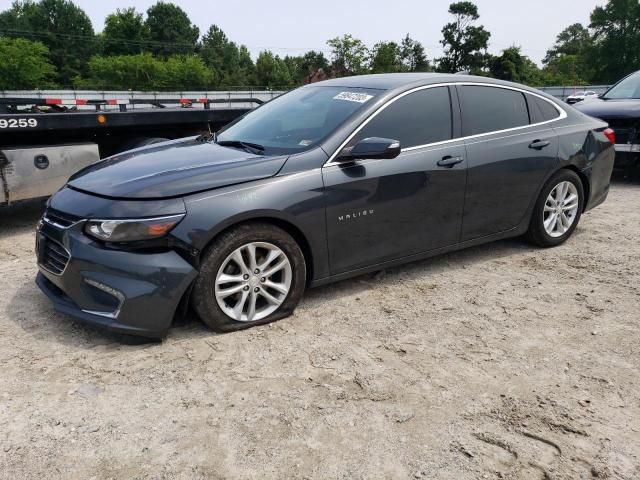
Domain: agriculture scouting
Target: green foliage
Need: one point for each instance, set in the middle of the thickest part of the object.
(412, 56)
(389, 57)
(161, 51)
(566, 63)
(272, 71)
(125, 33)
(233, 65)
(616, 36)
(146, 72)
(301, 67)
(135, 72)
(349, 56)
(24, 64)
(515, 67)
(170, 30)
(385, 58)
(465, 44)
(16, 21)
(60, 25)
(185, 72)
(573, 40)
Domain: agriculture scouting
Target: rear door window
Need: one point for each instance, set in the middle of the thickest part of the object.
(419, 118)
(491, 109)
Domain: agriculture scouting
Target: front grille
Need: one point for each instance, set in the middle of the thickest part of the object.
(59, 219)
(53, 256)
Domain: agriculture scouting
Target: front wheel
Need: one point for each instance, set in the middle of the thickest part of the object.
(251, 275)
(558, 210)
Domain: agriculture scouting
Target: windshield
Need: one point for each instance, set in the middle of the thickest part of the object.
(296, 121)
(627, 88)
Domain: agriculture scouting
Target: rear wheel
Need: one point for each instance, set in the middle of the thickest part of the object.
(251, 275)
(558, 210)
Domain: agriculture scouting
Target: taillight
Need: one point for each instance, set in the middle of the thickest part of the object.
(611, 135)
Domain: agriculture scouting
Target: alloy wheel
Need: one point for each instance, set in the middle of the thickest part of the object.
(561, 209)
(253, 281)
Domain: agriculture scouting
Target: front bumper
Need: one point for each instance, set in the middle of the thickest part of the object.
(125, 292)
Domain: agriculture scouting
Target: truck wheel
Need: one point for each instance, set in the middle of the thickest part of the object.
(251, 275)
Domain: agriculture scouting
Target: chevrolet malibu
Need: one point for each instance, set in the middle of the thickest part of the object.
(326, 182)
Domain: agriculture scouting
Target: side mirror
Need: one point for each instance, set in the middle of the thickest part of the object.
(372, 148)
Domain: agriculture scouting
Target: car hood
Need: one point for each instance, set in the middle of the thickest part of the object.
(607, 109)
(172, 169)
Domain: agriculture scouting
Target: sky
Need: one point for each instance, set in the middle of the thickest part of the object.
(295, 26)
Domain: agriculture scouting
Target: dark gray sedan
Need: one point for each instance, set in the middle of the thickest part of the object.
(329, 181)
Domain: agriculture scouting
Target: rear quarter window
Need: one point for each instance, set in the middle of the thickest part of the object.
(548, 111)
(490, 109)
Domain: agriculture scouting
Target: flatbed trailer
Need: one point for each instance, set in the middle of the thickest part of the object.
(44, 140)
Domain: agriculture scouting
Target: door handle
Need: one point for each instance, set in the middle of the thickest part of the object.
(539, 144)
(449, 161)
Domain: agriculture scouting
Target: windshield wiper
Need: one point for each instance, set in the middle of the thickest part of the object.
(246, 146)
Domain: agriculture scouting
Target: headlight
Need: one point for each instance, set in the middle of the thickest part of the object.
(131, 230)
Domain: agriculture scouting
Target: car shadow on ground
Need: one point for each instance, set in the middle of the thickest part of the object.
(34, 314)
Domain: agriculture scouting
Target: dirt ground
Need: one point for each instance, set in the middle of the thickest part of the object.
(502, 361)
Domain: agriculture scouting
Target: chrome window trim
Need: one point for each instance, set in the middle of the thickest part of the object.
(562, 115)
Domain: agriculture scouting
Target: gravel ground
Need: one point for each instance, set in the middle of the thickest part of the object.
(502, 361)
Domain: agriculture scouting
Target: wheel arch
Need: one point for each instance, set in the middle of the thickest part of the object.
(586, 185)
(274, 219)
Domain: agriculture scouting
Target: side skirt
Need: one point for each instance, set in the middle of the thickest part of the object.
(514, 232)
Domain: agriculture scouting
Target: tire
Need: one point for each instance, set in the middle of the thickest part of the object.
(219, 262)
(548, 236)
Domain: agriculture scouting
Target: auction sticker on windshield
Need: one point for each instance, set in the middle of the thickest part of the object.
(353, 97)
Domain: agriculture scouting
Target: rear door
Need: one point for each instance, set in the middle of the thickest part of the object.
(379, 210)
(510, 151)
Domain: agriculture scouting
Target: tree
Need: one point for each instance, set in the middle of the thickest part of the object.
(465, 45)
(568, 70)
(301, 67)
(349, 56)
(60, 25)
(185, 72)
(125, 72)
(412, 56)
(233, 65)
(573, 40)
(567, 62)
(124, 33)
(247, 72)
(146, 72)
(515, 67)
(272, 71)
(16, 21)
(24, 64)
(616, 35)
(386, 58)
(170, 30)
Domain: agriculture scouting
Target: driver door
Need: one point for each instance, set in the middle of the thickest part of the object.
(381, 210)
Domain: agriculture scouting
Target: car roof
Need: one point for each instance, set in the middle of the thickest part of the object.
(392, 81)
